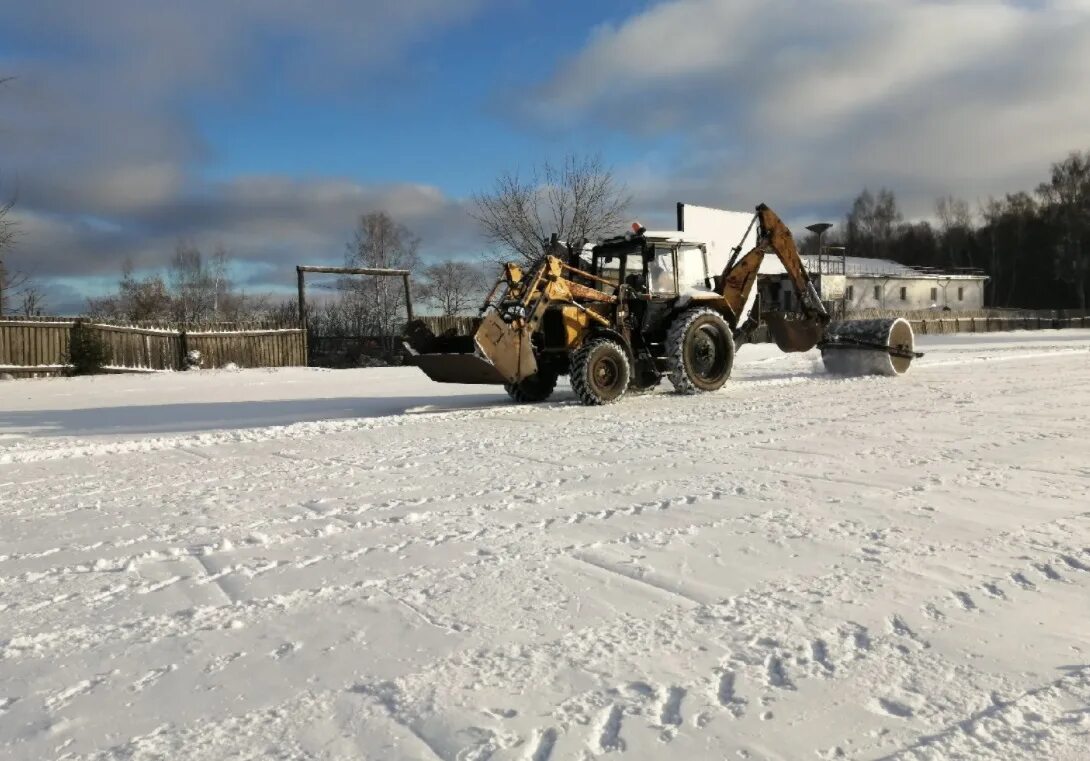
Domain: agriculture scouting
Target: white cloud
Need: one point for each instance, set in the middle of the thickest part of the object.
(106, 161)
(802, 102)
(261, 220)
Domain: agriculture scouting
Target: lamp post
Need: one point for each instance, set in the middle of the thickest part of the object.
(818, 229)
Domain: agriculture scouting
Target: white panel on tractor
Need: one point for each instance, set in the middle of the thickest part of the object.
(722, 230)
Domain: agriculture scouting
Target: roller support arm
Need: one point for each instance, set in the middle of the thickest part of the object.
(740, 276)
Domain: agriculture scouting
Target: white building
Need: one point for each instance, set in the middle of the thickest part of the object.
(862, 283)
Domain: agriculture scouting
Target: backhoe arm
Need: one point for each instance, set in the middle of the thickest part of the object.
(740, 276)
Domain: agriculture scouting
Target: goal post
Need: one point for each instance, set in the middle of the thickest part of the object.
(301, 273)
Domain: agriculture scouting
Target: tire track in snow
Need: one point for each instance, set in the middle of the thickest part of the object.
(1029, 718)
(858, 646)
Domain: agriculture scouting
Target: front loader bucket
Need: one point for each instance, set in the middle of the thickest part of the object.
(793, 335)
(499, 352)
(458, 368)
(869, 347)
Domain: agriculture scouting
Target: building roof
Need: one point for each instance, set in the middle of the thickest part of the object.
(862, 266)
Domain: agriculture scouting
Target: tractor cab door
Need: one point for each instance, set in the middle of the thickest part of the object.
(692, 268)
(662, 270)
(675, 269)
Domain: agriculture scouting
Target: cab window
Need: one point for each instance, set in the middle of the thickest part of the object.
(610, 268)
(660, 270)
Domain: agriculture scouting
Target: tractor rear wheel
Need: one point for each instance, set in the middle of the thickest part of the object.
(600, 372)
(537, 388)
(700, 351)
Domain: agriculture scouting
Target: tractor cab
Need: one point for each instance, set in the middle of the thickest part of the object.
(662, 274)
(654, 265)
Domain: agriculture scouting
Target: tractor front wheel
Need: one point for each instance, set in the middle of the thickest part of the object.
(600, 372)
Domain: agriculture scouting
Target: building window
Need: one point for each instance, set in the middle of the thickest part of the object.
(849, 293)
(934, 295)
(904, 293)
(877, 293)
(961, 294)
(787, 306)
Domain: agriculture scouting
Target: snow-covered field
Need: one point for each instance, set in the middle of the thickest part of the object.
(363, 564)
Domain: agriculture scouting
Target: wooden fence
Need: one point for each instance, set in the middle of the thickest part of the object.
(41, 346)
(946, 325)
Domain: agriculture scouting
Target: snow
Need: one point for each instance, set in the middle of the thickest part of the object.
(363, 564)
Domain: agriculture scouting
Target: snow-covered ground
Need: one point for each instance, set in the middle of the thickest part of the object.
(363, 564)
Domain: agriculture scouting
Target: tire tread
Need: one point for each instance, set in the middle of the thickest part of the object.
(578, 374)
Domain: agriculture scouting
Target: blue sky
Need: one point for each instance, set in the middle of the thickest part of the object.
(268, 126)
(444, 115)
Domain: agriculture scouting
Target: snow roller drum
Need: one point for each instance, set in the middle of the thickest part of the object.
(868, 347)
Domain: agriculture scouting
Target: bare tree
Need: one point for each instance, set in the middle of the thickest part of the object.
(578, 200)
(380, 242)
(1067, 205)
(192, 284)
(137, 299)
(285, 312)
(11, 283)
(7, 227)
(955, 229)
(14, 284)
(872, 223)
(454, 287)
(991, 213)
(201, 288)
(32, 302)
(953, 213)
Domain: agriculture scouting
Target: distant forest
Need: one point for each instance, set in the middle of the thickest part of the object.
(1035, 246)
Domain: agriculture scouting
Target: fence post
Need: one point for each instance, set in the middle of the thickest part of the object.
(300, 272)
(183, 349)
(408, 298)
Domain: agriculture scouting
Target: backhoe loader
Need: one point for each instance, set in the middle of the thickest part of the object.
(642, 307)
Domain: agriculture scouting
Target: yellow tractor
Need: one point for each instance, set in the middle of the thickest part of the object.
(641, 307)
